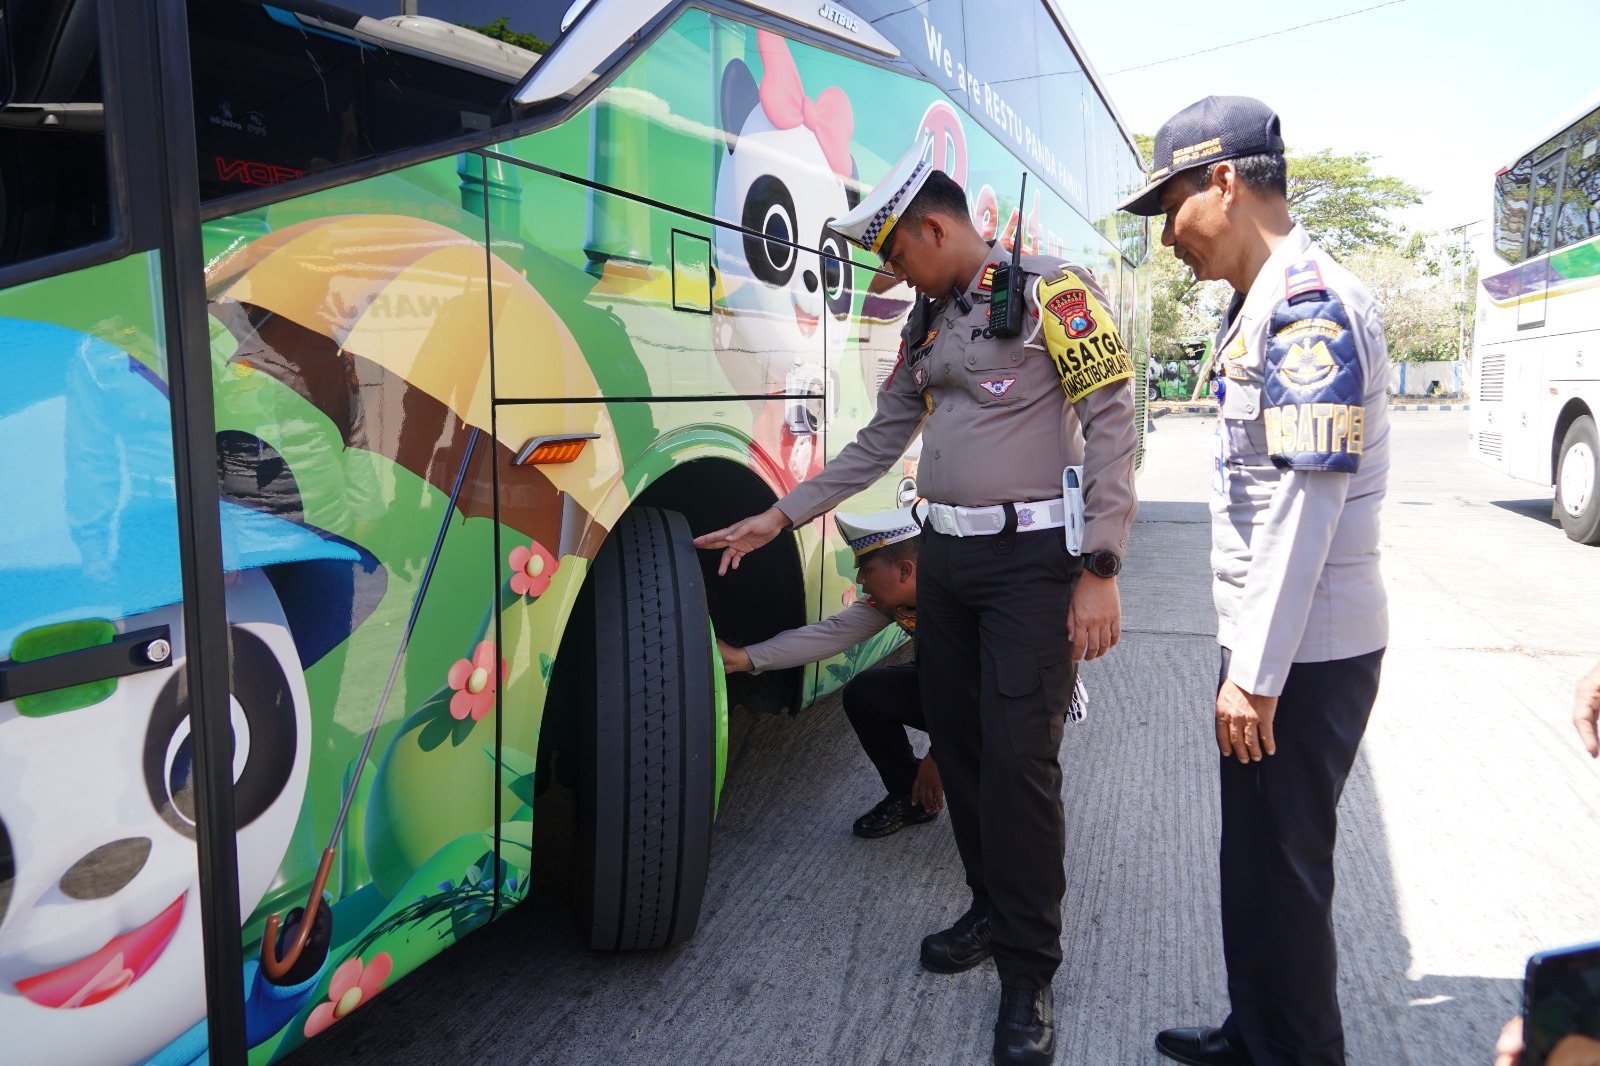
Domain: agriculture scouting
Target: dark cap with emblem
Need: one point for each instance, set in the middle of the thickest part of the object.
(1207, 131)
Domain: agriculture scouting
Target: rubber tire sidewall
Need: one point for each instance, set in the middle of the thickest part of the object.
(1584, 528)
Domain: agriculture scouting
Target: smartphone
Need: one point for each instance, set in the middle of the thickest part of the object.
(1560, 997)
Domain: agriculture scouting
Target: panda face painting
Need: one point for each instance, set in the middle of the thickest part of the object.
(782, 274)
(780, 180)
(100, 949)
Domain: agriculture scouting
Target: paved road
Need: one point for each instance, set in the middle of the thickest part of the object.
(1470, 835)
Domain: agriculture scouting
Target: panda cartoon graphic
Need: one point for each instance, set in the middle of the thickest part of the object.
(786, 279)
(101, 958)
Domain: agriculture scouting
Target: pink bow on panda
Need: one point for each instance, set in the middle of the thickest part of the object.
(784, 100)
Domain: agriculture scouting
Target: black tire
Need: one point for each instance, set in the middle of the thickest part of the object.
(648, 748)
(1578, 486)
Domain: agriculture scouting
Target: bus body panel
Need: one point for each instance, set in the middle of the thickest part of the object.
(653, 277)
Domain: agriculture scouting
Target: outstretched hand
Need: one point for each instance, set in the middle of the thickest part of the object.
(743, 537)
(1586, 711)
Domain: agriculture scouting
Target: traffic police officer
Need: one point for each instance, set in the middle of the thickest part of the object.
(881, 702)
(1301, 465)
(1000, 596)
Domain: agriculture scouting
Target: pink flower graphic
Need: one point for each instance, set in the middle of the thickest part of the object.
(352, 985)
(532, 568)
(475, 681)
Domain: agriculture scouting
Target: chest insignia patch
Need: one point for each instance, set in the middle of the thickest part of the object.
(927, 397)
(986, 281)
(920, 376)
(922, 349)
(1071, 306)
(998, 387)
(1234, 358)
(1302, 278)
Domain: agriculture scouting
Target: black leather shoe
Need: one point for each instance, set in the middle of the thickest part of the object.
(1025, 1031)
(891, 816)
(960, 947)
(1199, 1047)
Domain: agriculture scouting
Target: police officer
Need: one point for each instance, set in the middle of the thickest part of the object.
(1302, 459)
(882, 702)
(1002, 613)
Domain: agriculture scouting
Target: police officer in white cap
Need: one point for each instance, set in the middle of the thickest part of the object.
(882, 702)
(1301, 466)
(1004, 609)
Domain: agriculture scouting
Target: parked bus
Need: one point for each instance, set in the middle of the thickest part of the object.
(1536, 355)
(361, 381)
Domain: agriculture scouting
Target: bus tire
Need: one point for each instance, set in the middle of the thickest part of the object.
(648, 743)
(1578, 482)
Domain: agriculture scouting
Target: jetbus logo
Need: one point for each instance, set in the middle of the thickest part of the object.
(249, 172)
(842, 18)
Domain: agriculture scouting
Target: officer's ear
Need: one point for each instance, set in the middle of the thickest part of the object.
(1225, 179)
(908, 569)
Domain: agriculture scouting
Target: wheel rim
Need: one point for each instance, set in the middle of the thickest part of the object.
(1577, 478)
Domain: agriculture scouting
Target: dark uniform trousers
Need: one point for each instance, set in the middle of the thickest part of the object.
(880, 703)
(996, 673)
(1279, 821)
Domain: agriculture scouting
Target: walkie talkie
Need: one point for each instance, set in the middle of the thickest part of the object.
(1005, 290)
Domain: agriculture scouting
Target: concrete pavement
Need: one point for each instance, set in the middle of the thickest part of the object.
(1470, 832)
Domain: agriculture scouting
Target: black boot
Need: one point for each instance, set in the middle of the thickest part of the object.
(1025, 1031)
(960, 947)
(891, 816)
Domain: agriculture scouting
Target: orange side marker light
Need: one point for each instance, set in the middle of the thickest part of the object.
(553, 450)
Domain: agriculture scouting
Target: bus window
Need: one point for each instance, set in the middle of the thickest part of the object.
(54, 193)
(1511, 210)
(280, 93)
(1580, 190)
(1541, 214)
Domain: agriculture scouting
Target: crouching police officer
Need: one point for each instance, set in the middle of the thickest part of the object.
(883, 701)
(1301, 466)
(1002, 613)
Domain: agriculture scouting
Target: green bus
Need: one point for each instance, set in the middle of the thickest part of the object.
(362, 380)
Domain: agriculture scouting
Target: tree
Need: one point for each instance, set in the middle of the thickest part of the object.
(500, 30)
(1420, 316)
(1342, 204)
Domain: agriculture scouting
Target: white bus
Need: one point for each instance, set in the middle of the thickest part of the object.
(1536, 359)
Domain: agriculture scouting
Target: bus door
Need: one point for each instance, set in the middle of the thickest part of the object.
(1541, 226)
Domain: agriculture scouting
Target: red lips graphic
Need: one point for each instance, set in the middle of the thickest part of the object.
(94, 978)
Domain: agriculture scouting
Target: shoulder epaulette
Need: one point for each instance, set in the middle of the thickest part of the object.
(1303, 279)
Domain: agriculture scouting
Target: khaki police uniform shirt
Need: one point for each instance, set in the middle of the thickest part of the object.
(829, 637)
(997, 426)
(1301, 466)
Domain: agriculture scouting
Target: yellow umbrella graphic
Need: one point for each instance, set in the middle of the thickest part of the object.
(398, 315)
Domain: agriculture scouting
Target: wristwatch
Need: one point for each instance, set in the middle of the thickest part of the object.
(1103, 563)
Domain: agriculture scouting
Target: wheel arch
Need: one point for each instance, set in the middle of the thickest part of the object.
(1574, 409)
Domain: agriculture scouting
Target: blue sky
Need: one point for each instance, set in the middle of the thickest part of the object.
(1444, 92)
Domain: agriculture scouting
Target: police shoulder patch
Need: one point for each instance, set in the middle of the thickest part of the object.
(1313, 386)
(1080, 336)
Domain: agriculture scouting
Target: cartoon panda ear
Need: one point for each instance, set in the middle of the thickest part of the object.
(739, 97)
(852, 187)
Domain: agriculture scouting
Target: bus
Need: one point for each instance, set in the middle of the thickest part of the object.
(362, 379)
(1536, 353)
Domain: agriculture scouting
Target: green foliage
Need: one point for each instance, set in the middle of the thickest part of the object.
(1420, 315)
(1342, 204)
(500, 30)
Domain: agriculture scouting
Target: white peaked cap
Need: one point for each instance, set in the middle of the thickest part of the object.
(874, 217)
(869, 532)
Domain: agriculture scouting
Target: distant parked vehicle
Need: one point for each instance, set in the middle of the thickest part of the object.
(1536, 361)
